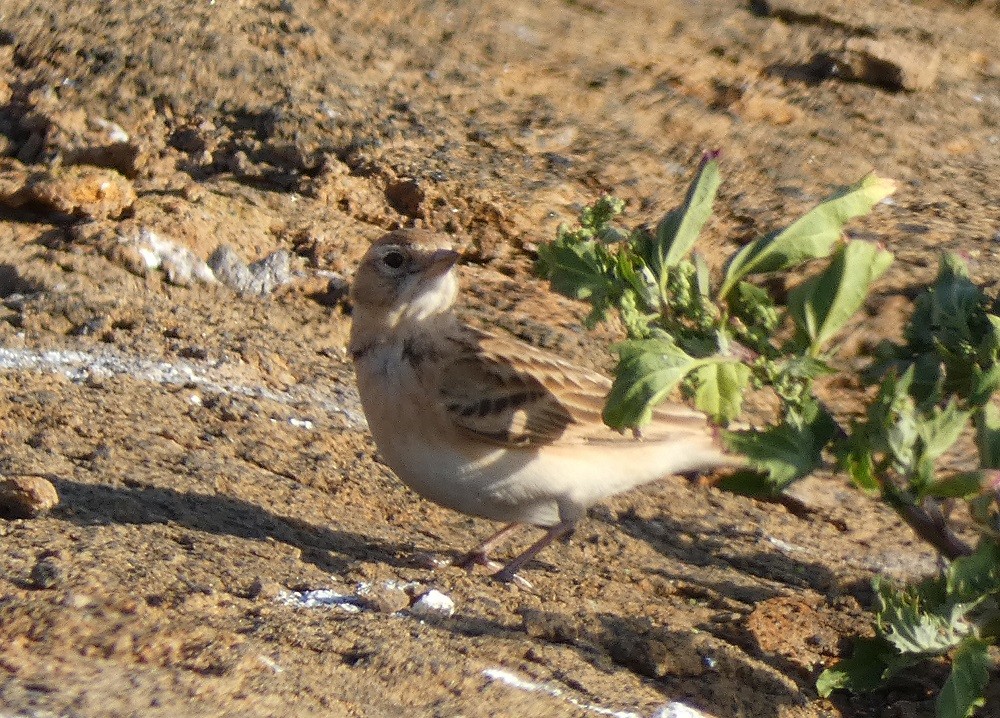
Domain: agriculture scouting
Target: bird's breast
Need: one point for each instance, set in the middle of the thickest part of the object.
(418, 442)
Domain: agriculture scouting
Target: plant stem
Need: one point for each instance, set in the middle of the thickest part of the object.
(929, 524)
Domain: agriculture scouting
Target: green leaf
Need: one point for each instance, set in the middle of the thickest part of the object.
(756, 484)
(964, 690)
(861, 468)
(579, 263)
(720, 388)
(950, 312)
(780, 454)
(890, 428)
(577, 269)
(985, 384)
(811, 236)
(905, 620)
(823, 304)
(969, 578)
(862, 672)
(990, 344)
(755, 309)
(963, 485)
(639, 279)
(648, 370)
(954, 337)
(939, 431)
(677, 232)
(988, 436)
(893, 418)
(635, 320)
(701, 275)
(799, 366)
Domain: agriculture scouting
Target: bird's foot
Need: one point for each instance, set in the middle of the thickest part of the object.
(500, 572)
(507, 576)
(477, 558)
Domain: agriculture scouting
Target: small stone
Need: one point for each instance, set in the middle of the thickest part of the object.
(13, 178)
(122, 156)
(81, 191)
(385, 598)
(433, 604)
(46, 573)
(552, 627)
(271, 272)
(182, 266)
(337, 291)
(265, 590)
(229, 267)
(675, 709)
(26, 496)
(405, 196)
(258, 278)
(77, 600)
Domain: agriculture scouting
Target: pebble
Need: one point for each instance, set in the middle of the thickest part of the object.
(433, 604)
(91, 192)
(265, 590)
(77, 600)
(150, 251)
(405, 196)
(387, 597)
(258, 278)
(552, 627)
(26, 496)
(46, 573)
(337, 289)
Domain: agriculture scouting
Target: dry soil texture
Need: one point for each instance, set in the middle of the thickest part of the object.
(207, 446)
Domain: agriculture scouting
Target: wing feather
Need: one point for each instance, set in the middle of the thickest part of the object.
(513, 394)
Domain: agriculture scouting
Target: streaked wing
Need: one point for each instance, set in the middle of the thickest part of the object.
(513, 394)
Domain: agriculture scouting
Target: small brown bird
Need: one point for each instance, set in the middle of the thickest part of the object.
(488, 425)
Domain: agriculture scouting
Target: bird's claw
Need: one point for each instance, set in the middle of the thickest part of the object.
(476, 558)
(511, 577)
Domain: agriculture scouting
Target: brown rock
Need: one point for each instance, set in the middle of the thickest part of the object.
(552, 627)
(26, 496)
(46, 573)
(652, 652)
(127, 158)
(265, 590)
(82, 191)
(405, 196)
(13, 178)
(386, 598)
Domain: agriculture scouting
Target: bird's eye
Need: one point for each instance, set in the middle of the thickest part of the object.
(393, 259)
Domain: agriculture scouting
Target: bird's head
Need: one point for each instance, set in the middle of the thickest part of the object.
(406, 275)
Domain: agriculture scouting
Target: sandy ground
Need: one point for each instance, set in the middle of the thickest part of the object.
(206, 443)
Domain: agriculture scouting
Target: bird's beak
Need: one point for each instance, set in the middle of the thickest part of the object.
(440, 261)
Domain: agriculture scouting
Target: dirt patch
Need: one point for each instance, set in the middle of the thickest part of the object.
(210, 458)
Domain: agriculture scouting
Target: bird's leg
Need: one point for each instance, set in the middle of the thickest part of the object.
(480, 555)
(509, 572)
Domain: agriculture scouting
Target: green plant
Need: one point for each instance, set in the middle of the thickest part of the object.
(716, 339)
(955, 615)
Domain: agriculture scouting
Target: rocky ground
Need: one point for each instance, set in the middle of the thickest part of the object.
(185, 188)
